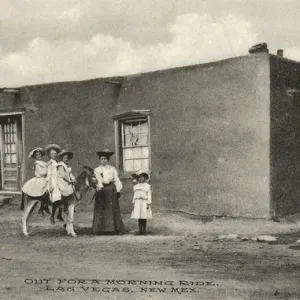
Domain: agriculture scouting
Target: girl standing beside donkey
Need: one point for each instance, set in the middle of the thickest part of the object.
(142, 199)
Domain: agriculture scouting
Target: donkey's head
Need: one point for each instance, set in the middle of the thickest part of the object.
(85, 181)
(90, 177)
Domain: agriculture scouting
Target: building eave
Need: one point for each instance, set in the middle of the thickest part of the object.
(9, 91)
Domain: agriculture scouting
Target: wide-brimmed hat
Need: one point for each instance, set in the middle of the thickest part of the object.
(35, 150)
(52, 147)
(65, 152)
(105, 152)
(137, 174)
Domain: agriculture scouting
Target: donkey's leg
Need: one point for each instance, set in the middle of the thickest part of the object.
(26, 213)
(70, 227)
(41, 210)
(54, 207)
(59, 215)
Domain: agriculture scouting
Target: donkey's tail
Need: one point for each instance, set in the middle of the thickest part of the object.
(23, 202)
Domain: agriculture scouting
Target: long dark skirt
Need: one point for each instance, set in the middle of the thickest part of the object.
(107, 215)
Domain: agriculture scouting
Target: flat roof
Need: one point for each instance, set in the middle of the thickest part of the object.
(119, 78)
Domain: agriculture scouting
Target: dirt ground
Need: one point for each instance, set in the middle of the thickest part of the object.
(181, 258)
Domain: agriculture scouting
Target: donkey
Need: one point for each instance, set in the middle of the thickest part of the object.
(84, 182)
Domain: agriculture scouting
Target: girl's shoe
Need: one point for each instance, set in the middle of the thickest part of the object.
(60, 218)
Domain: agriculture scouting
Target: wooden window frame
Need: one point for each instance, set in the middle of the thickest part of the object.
(132, 115)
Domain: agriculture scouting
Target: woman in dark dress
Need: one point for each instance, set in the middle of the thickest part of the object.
(107, 215)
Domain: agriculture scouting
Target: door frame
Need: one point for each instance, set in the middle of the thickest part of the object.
(22, 161)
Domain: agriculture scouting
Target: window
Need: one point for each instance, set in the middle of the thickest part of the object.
(132, 131)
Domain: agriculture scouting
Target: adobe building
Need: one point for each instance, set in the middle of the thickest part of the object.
(220, 138)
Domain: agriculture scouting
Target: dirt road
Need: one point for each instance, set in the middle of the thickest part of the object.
(182, 258)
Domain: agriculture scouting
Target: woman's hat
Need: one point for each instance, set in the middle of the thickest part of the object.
(35, 150)
(105, 152)
(65, 152)
(52, 147)
(139, 173)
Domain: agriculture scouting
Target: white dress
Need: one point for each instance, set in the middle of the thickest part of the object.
(107, 174)
(65, 179)
(142, 195)
(37, 186)
(55, 194)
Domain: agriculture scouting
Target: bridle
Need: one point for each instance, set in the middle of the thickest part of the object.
(86, 189)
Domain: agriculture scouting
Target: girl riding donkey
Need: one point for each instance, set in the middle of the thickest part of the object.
(52, 151)
(65, 182)
(37, 186)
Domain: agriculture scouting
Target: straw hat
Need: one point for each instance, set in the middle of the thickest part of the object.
(136, 175)
(105, 152)
(35, 150)
(65, 152)
(52, 147)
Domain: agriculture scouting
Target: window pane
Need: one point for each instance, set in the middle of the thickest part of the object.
(127, 153)
(137, 165)
(145, 164)
(143, 127)
(143, 140)
(134, 128)
(13, 158)
(145, 152)
(13, 148)
(128, 166)
(131, 140)
(7, 159)
(136, 152)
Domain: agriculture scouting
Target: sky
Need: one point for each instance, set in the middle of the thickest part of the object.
(44, 41)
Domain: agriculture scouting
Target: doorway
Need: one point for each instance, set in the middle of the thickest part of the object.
(11, 152)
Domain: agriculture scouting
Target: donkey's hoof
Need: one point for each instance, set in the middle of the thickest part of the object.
(52, 221)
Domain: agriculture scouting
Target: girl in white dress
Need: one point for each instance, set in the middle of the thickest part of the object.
(142, 199)
(52, 151)
(36, 187)
(65, 178)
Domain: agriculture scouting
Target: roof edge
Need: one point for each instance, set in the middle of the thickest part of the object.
(118, 79)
